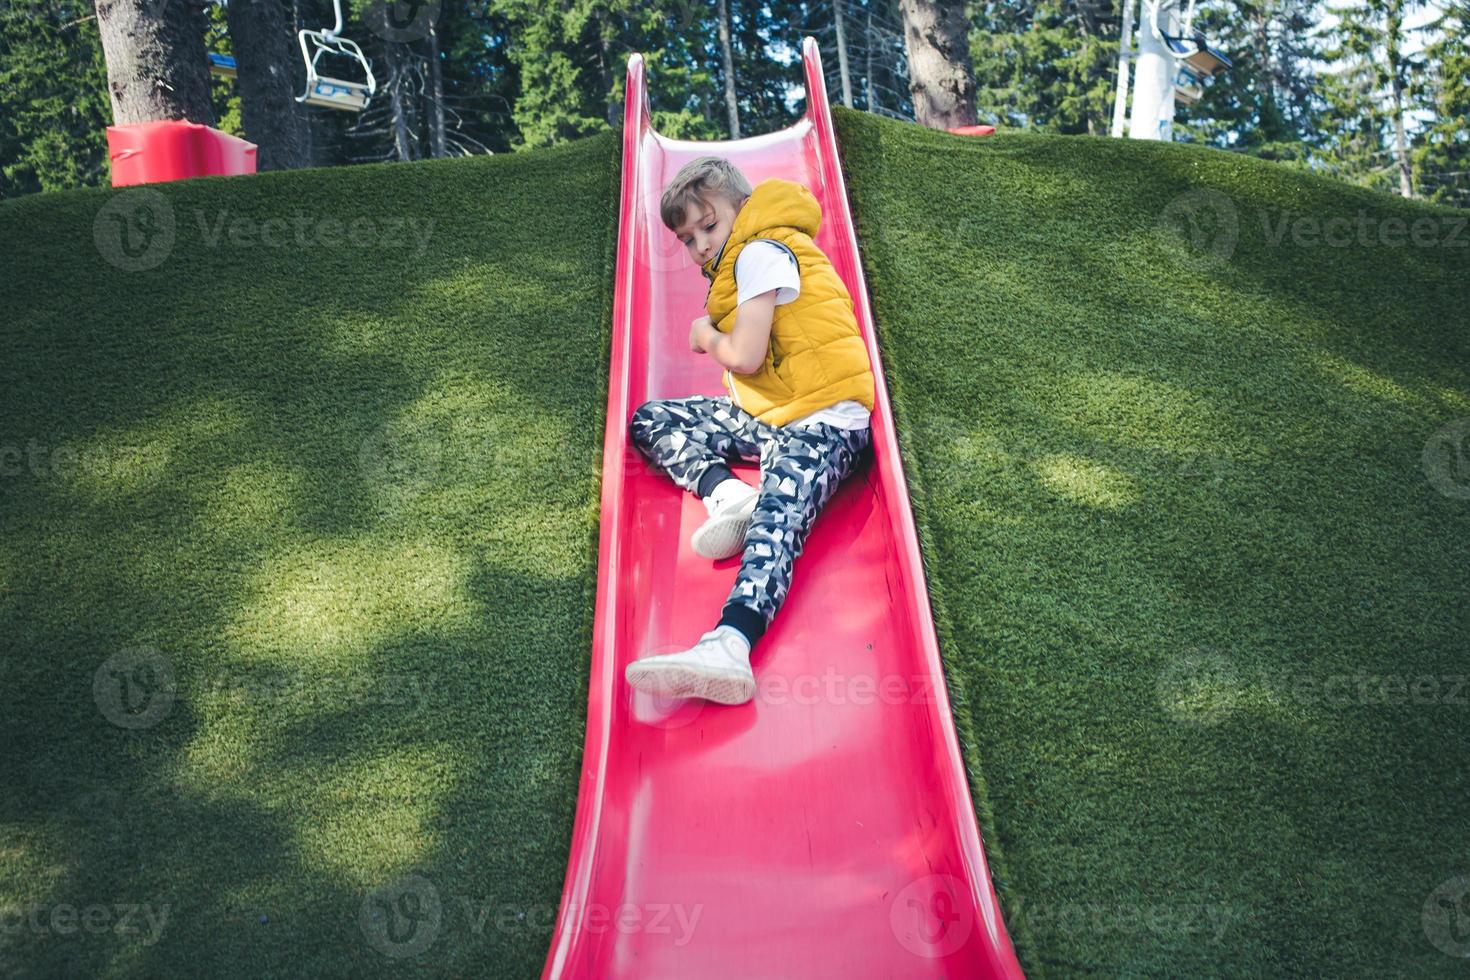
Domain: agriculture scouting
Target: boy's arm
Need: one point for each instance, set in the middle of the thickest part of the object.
(743, 349)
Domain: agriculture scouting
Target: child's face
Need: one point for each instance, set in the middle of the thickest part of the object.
(706, 227)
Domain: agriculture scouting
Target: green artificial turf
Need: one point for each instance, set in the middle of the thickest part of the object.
(1198, 539)
(298, 540)
(337, 474)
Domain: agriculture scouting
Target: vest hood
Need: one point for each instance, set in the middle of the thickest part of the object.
(773, 203)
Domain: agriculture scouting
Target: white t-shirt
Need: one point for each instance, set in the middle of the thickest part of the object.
(762, 266)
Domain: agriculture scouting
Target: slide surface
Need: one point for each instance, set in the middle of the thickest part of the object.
(824, 829)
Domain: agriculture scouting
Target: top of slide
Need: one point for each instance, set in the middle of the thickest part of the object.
(824, 829)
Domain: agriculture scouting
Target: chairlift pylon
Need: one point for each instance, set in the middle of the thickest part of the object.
(326, 91)
(1166, 69)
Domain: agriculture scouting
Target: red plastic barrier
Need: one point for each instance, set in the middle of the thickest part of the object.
(825, 829)
(972, 130)
(153, 152)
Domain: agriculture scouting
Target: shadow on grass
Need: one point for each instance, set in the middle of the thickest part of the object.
(338, 513)
(1181, 529)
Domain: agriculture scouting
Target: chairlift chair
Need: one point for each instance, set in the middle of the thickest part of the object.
(1195, 60)
(222, 65)
(326, 91)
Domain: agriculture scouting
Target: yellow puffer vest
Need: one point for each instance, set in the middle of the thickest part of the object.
(816, 356)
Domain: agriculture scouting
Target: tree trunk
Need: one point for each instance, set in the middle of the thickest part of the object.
(605, 65)
(401, 143)
(842, 55)
(437, 146)
(1120, 98)
(312, 150)
(1088, 19)
(157, 66)
(1394, 28)
(941, 79)
(731, 104)
(267, 59)
(868, 75)
(1089, 27)
(1270, 122)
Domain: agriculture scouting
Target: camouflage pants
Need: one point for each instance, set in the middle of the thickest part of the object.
(800, 470)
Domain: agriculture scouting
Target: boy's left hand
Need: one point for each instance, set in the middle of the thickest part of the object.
(699, 334)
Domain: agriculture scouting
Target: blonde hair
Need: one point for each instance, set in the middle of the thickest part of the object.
(696, 182)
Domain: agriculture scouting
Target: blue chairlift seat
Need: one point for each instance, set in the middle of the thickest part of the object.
(222, 65)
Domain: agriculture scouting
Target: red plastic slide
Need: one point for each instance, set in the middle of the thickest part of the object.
(172, 149)
(825, 828)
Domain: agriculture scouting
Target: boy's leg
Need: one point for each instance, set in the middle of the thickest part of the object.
(691, 439)
(800, 470)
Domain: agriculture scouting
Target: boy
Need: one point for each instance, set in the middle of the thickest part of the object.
(800, 390)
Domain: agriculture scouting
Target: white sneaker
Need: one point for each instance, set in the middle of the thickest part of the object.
(730, 507)
(716, 668)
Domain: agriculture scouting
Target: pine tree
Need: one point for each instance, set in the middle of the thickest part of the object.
(1046, 64)
(1355, 122)
(446, 86)
(1398, 67)
(1265, 104)
(571, 59)
(1441, 158)
(872, 38)
(53, 97)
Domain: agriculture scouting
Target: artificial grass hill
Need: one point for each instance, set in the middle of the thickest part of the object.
(346, 493)
(1182, 429)
(297, 575)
